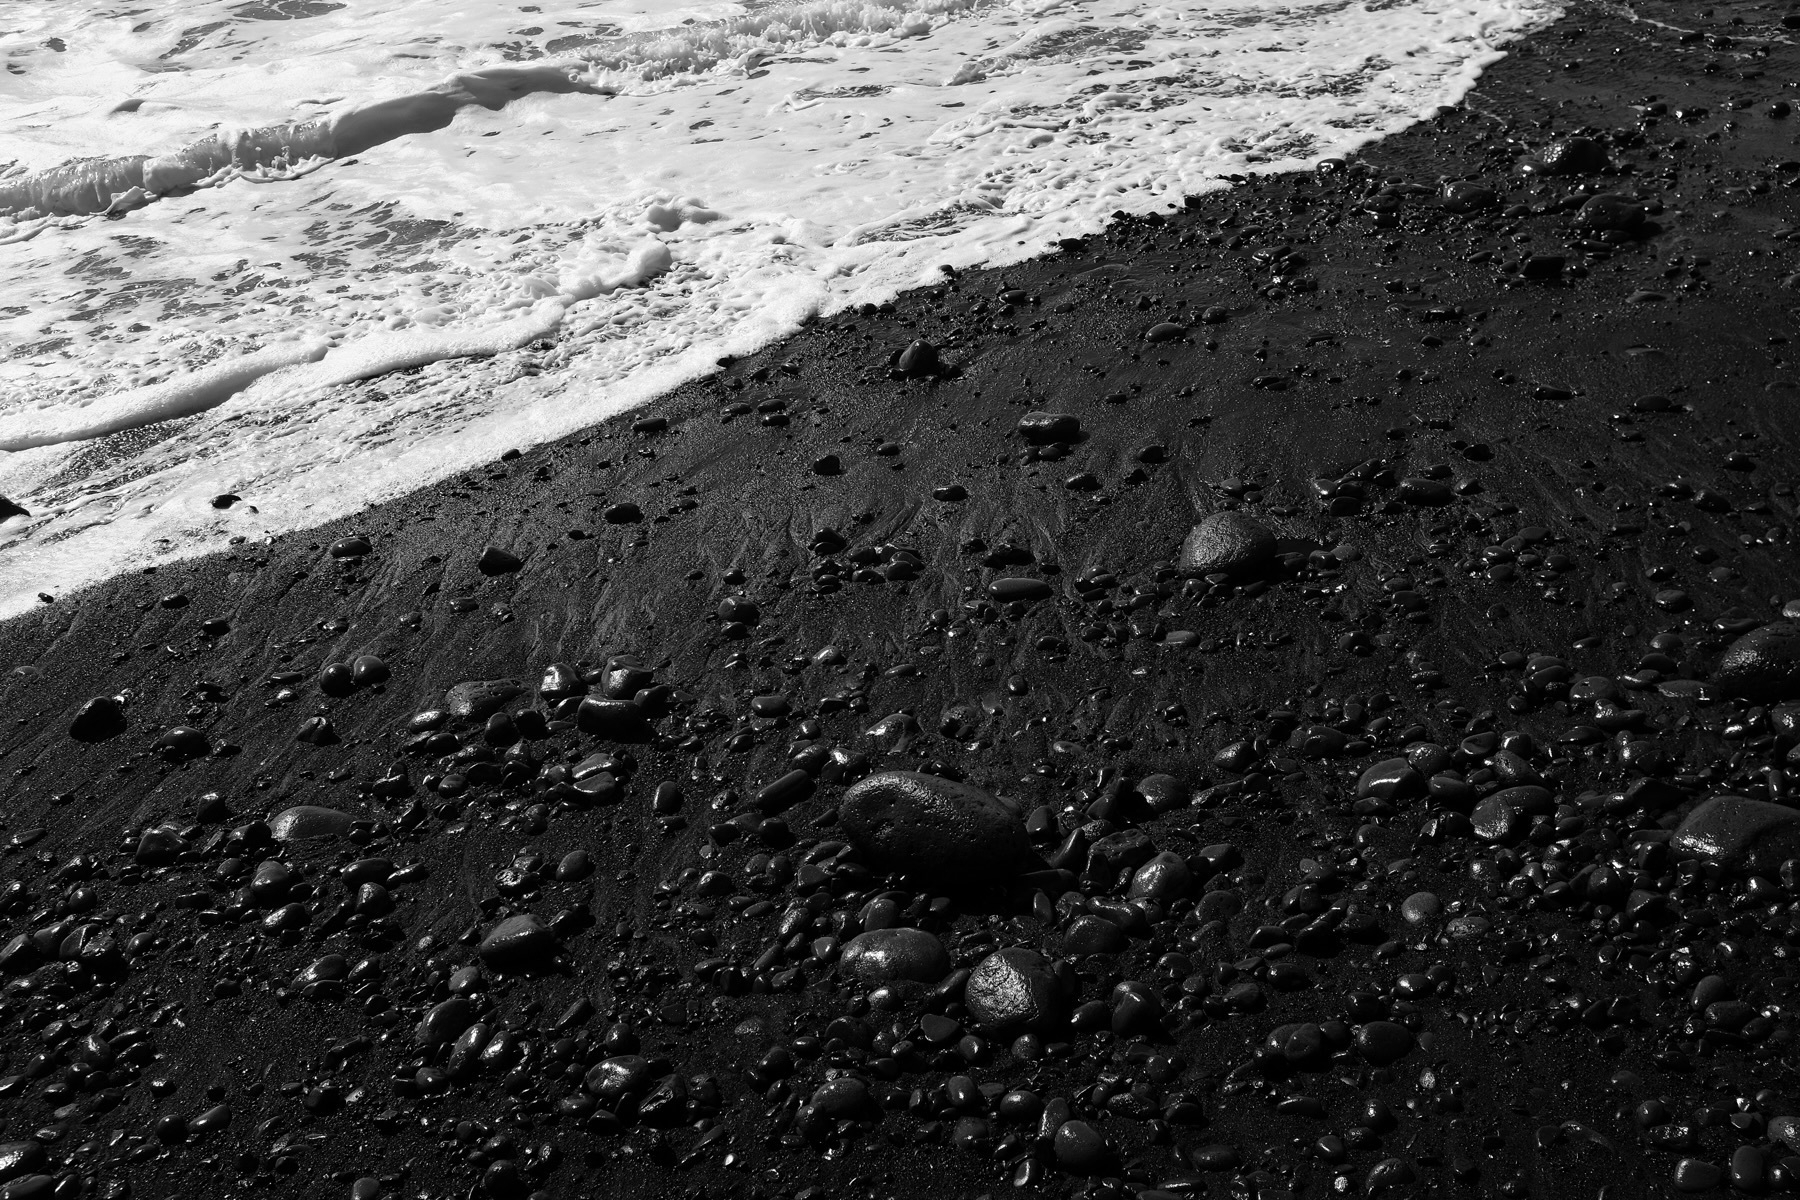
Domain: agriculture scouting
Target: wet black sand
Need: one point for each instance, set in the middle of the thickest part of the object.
(1520, 521)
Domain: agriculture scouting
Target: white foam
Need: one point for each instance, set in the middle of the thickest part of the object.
(648, 186)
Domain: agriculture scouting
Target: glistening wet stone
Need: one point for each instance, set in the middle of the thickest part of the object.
(936, 829)
(884, 955)
(1228, 543)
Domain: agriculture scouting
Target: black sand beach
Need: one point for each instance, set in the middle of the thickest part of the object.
(1369, 845)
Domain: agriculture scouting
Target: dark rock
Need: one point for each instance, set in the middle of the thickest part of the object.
(1014, 988)
(366, 670)
(1426, 493)
(479, 699)
(1081, 1149)
(1573, 156)
(918, 360)
(1165, 331)
(1390, 779)
(1383, 1042)
(1162, 793)
(933, 828)
(337, 679)
(843, 1099)
(884, 955)
(1763, 665)
(1042, 428)
(519, 945)
(350, 547)
(181, 743)
(622, 679)
(1227, 543)
(444, 1021)
(622, 1075)
(158, 847)
(622, 513)
(1609, 212)
(1093, 935)
(101, 718)
(1543, 267)
(307, 821)
(317, 731)
(11, 508)
(1164, 877)
(1006, 591)
(611, 720)
(560, 682)
(21, 1158)
(1751, 834)
(495, 561)
(1463, 197)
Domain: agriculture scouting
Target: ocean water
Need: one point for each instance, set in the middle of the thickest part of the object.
(227, 225)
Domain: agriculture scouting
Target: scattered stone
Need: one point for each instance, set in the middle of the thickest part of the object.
(885, 955)
(495, 561)
(101, 718)
(1750, 834)
(519, 945)
(1014, 988)
(304, 822)
(1043, 428)
(1762, 665)
(918, 360)
(181, 743)
(936, 829)
(479, 699)
(1021, 591)
(1227, 543)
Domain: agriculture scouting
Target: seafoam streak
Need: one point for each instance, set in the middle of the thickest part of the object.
(752, 168)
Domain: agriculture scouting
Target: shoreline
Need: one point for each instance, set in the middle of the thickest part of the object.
(1492, 480)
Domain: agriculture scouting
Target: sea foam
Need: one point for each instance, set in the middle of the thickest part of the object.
(235, 221)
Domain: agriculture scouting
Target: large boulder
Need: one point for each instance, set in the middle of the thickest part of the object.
(519, 945)
(479, 699)
(936, 829)
(1227, 543)
(306, 821)
(1763, 665)
(1014, 988)
(886, 955)
(1751, 834)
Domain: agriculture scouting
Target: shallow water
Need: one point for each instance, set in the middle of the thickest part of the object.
(554, 212)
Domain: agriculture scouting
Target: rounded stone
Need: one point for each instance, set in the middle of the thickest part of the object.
(1093, 935)
(1763, 665)
(1227, 543)
(442, 1022)
(479, 699)
(1046, 427)
(519, 944)
(1082, 1149)
(1164, 877)
(1019, 589)
(101, 718)
(305, 821)
(1383, 1042)
(1390, 779)
(933, 828)
(885, 955)
(1014, 988)
(1751, 834)
(1421, 907)
(843, 1099)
